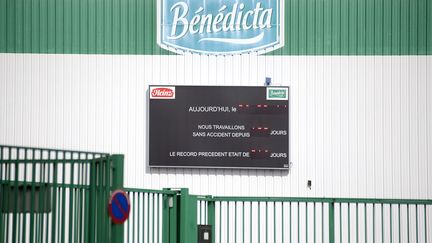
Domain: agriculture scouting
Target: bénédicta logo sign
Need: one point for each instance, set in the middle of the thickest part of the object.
(220, 26)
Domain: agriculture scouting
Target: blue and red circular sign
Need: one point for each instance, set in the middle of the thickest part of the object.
(119, 206)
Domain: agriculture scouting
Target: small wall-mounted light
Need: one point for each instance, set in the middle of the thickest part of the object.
(267, 81)
(309, 184)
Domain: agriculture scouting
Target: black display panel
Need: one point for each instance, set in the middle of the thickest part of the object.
(219, 127)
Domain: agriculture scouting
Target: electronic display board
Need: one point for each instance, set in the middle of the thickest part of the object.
(219, 127)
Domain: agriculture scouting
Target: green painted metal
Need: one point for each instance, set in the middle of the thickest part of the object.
(57, 195)
(77, 207)
(212, 218)
(327, 27)
(188, 216)
(117, 183)
(331, 223)
(344, 231)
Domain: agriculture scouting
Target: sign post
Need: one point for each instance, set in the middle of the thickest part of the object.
(117, 164)
(119, 207)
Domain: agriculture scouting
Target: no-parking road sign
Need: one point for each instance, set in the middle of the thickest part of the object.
(119, 206)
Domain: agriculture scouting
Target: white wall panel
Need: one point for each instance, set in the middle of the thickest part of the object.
(360, 126)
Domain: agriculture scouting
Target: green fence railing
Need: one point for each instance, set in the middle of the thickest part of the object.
(156, 216)
(285, 219)
(50, 195)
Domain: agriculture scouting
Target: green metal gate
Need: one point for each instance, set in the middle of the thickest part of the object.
(173, 216)
(50, 195)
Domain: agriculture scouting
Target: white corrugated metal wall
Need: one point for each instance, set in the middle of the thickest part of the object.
(361, 126)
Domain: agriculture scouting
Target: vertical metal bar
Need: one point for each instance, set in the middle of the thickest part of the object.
(382, 223)
(36, 216)
(228, 207)
(408, 223)
(81, 221)
(266, 218)
(87, 218)
(157, 217)
(243, 223)
(2, 188)
(259, 222)
(373, 222)
(340, 222)
(100, 194)
(417, 238)
(290, 222)
(212, 218)
(148, 217)
(425, 223)
(331, 223)
(298, 222)
(365, 222)
(306, 223)
(47, 221)
(117, 165)
(9, 184)
(99, 190)
(32, 196)
(349, 222)
(391, 223)
(91, 202)
(145, 216)
(129, 222)
(24, 199)
(322, 221)
(139, 218)
(282, 222)
(96, 186)
(250, 221)
(71, 198)
(357, 223)
(37, 226)
(235, 222)
(100, 187)
(220, 221)
(274, 221)
(44, 221)
(108, 187)
(153, 215)
(77, 189)
(399, 222)
(15, 211)
(63, 200)
(200, 213)
(86, 210)
(134, 215)
(314, 218)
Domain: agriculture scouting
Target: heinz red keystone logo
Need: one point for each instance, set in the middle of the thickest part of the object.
(162, 92)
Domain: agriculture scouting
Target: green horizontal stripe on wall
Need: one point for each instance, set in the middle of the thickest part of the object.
(312, 27)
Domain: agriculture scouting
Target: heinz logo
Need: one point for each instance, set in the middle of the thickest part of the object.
(162, 92)
(220, 26)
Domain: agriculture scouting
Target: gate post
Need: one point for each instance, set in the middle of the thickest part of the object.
(117, 183)
(188, 217)
(212, 218)
(180, 217)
